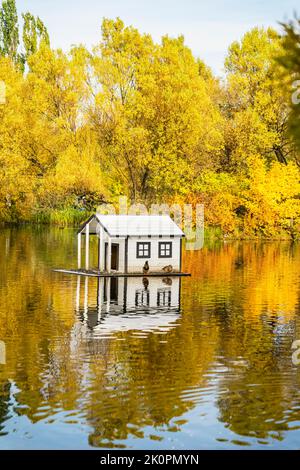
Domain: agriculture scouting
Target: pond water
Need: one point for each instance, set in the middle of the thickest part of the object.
(198, 363)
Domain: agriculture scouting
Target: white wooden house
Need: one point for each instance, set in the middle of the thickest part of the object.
(127, 242)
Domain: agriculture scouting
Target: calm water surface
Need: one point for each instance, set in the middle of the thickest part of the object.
(203, 364)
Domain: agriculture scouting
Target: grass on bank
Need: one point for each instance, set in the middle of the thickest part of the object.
(68, 217)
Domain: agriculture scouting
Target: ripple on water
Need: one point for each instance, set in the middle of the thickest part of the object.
(214, 371)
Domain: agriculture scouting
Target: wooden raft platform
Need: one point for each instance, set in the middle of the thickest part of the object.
(95, 273)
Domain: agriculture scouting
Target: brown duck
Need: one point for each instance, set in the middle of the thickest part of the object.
(168, 269)
(146, 268)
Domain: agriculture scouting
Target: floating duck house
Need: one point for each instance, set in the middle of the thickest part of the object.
(129, 245)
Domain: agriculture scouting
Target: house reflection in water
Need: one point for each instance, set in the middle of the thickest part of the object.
(129, 303)
(2, 353)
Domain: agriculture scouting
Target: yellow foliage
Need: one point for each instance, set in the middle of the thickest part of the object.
(150, 121)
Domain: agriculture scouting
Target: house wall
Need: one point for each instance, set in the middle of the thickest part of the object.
(156, 264)
(129, 287)
(136, 264)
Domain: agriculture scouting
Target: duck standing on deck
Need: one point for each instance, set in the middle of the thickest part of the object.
(146, 268)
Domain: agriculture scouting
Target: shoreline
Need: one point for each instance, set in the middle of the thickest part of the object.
(210, 232)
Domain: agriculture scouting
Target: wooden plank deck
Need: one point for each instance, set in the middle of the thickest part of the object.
(94, 273)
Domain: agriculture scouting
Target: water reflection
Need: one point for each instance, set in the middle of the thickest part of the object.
(124, 304)
(201, 363)
(2, 353)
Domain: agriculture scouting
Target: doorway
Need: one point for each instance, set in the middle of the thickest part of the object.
(114, 290)
(114, 256)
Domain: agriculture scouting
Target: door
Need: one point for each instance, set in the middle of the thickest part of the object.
(114, 289)
(114, 256)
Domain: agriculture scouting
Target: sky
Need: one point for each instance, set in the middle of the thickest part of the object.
(209, 26)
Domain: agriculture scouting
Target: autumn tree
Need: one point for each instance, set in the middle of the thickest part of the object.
(151, 121)
(60, 144)
(153, 113)
(256, 104)
(34, 32)
(17, 179)
(290, 60)
(9, 31)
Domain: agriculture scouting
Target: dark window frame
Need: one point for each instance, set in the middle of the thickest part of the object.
(138, 244)
(160, 245)
(164, 297)
(142, 298)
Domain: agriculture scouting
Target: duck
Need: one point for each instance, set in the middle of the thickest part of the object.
(168, 269)
(146, 268)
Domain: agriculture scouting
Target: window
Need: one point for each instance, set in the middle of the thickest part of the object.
(165, 250)
(143, 250)
(142, 298)
(164, 297)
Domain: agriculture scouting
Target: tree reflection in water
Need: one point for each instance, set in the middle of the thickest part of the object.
(123, 365)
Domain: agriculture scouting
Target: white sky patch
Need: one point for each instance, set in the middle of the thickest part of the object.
(209, 27)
